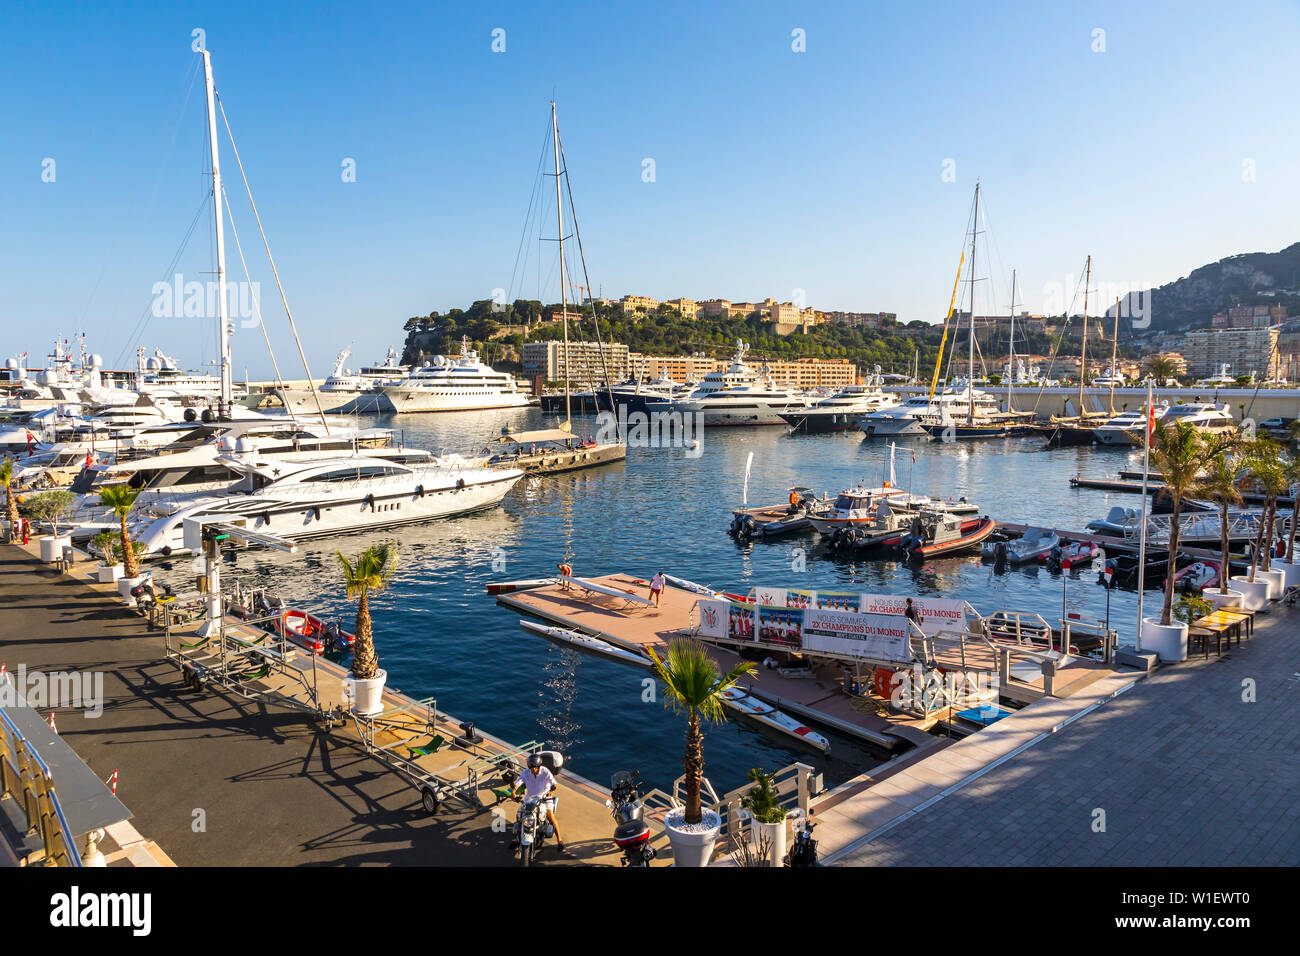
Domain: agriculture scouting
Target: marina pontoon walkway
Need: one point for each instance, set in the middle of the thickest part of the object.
(274, 788)
(1188, 769)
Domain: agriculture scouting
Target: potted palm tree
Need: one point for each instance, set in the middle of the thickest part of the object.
(11, 497)
(1178, 452)
(371, 571)
(767, 827)
(1219, 483)
(119, 500)
(108, 544)
(692, 684)
(1270, 472)
(1289, 567)
(1263, 466)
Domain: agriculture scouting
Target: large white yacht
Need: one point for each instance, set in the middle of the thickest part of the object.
(739, 396)
(322, 497)
(912, 415)
(841, 411)
(1205, 416)
(458, 384)
(1126, 428)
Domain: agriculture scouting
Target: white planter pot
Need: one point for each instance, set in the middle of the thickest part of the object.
(1167, 640)
(775, 834)
(367, 695)
(1219, 599)
(124, 586)
(51, 549)
(108, 573)
(1254, 594)
(1276, 580)
(1290, 571)
(692, 846)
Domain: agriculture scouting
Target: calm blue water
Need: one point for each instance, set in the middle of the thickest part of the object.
(438, 633)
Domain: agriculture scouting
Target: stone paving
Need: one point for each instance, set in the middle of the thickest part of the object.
(1186, 771)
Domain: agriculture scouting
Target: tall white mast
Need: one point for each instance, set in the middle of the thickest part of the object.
(1011, 348)
(564, 302)
(1083, 342)
(970, 375)
(227, 391)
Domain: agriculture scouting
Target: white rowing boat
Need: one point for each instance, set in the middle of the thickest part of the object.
(585, 642)
(769, 716)
(691, 586)
(506, 587)
(595, 588)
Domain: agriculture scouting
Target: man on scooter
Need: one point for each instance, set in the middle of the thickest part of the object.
(538, 781)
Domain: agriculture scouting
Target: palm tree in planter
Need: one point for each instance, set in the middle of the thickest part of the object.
(120, 499)
(1219, 483)
(1268, 470)
(371, 571)
(1178, 452)
(1292, 472)
(692, 684)
(11, 497)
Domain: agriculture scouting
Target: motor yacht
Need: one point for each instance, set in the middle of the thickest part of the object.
(320, 497)
(458, 384)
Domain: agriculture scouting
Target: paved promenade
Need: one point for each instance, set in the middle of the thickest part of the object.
(1186, 772)
(273, 787)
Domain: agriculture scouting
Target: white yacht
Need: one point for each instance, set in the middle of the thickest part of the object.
(1222, 380)
(1027, 377)
(912, 415)
(1206, 416)
(458, 384)
(1126, 428)
(322, 497)
(739, 396)
(1110, 376)
(841, 411)
(160, 375)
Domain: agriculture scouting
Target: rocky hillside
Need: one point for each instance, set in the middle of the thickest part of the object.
(1192, 301)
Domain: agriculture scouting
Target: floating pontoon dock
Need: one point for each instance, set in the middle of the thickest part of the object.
(819, 698)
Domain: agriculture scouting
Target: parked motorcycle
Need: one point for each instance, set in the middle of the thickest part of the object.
(803, 850)
(532, 827)
(631, 833)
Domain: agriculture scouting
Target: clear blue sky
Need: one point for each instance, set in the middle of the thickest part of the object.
(775, 170)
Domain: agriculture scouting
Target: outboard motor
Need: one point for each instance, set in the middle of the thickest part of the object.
(334, 638)
(1000, 556)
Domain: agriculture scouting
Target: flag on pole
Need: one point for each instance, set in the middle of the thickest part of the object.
(52, 727)
(748, 462)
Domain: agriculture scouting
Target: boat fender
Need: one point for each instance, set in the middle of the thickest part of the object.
(166, 550)
(419, 491)
(460, 484)
(207, 416)
(191, 415)
(370, 500)
(316, 512)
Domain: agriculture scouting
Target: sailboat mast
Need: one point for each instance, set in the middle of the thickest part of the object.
(1083, 342)
(1114, 356)
(970, 375)
(1011, 348)
(564, 302)
(227, 390)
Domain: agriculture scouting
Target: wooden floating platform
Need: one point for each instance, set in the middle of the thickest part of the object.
(1154, 486)
(820, 698)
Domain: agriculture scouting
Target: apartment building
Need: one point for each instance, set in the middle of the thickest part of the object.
(1244, 351)
(585, 364)
(637, 303)
(687, 307)
(1249, 317)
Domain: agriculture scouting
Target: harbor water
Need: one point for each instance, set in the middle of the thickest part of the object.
(439, 634)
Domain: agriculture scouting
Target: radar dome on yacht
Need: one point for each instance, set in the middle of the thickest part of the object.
(11, 363)
(96, 361)
(152, 364)
(244, 447)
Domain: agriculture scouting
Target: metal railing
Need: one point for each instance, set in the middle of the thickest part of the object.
(29, 780)
(796, 785)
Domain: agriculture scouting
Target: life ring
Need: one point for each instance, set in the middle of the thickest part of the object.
(307, 629)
